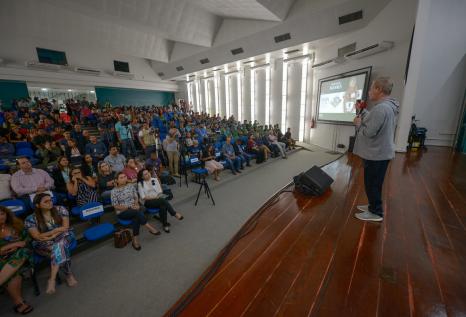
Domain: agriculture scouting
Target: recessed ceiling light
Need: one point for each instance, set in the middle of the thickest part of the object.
(92, 92)
(70, 90)
(44, 89)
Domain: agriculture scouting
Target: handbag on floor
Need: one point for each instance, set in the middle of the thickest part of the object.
(122, 237)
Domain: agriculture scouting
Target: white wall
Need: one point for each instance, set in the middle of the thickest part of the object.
(20, 49)
(437, 77)
(393, 23)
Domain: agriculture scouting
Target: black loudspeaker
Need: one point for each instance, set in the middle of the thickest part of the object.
(316, 180)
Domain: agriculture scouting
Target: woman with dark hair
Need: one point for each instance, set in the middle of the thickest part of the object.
(151, 195)
(61, 174)
(82, 187)
(49, 227)
(73, 153)
(14, 256)
(208, 156)
(131, 170)
(88, 166)
(125, 201)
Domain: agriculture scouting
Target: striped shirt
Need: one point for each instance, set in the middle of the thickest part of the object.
(23, 184)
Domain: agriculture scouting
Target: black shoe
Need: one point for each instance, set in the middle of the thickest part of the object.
(234, 173)
(166, 229)
(137, 248)
(249, 165)
(242, 167)
(167, 224)
(238, 171)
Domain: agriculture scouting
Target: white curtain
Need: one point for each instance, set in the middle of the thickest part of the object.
(293, 96)
(260, 96)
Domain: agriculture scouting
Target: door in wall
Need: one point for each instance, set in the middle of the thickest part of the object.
(461, 141)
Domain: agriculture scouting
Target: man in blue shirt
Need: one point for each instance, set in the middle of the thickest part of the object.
(96, 149)
(125, 137)
(229, 154)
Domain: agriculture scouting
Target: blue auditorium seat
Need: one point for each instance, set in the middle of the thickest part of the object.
(15, 205)
(91, 211)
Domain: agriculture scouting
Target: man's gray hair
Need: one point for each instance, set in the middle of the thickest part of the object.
(384, 84)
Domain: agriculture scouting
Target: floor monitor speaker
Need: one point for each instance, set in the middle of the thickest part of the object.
(316, 179)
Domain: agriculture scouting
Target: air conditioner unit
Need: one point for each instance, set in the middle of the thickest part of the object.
(330, 62)
(123, 75)
(43, 66)
(87, 71)
(370, 50)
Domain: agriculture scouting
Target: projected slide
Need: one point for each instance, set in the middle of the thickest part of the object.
(338, 96)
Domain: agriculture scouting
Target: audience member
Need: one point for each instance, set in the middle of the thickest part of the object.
(154, 164)
(229, 154)
(212, 166)
(96, 149)
(147, 139)
(14, 256)
(89, 167)
(116, 160)
(7, 150)
(239, 152)
(171, 146)
(131, 170)
(106, 180)
(82, 187)
(281, 146)
(73, 152)
(151, 196)
(28, 180)
(125, 201)
(61, 175)
(290, 142)
(5, 191)
(49, 227)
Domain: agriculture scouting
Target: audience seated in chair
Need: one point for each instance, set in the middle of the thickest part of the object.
(15, 256)
(126, 203)
(151, 196)
(96, 149)
(106, 180)
(211, 165)
(262, 152)
(131, 170)
(89, 166)
(52, 237)
(7, 150)
(229, 154)
(82, 187)
(28, 180)
(116, 160)
(239, 152)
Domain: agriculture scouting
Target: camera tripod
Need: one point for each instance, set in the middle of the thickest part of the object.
(204, 185)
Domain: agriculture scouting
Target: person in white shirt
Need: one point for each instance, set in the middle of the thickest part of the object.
(5, 192)
(151, 196)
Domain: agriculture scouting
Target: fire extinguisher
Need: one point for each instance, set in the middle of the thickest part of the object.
(313, 123)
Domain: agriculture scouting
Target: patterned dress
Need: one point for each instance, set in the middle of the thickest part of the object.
(86, 194)
(21, 256)
(57, 249)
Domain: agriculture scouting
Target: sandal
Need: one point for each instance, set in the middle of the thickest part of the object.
(156, 233)
(25, 311)
(179, 216)
(136, 247)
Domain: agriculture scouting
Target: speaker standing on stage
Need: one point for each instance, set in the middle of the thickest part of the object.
(375, 145)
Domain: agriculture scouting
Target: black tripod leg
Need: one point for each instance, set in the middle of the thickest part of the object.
(209, 193)
(198, 193)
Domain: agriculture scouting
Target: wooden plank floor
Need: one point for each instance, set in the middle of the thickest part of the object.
(300, 256)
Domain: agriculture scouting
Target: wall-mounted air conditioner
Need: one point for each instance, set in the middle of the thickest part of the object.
(370, 50)
(123, 75)
(330, 62)
(42, 66)
(87, 71)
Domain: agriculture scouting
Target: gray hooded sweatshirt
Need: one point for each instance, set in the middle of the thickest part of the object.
(375, 137)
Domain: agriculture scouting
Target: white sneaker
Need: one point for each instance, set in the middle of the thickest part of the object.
(368, 216)
(363, 207)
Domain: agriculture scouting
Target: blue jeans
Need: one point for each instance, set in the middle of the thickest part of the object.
(127, 147)
(374, 175)
(235, 164)
(136, 216)
(245, 158)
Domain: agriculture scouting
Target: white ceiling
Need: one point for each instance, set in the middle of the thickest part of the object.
(171, 32)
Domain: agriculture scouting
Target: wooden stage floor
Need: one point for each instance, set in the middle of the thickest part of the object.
(302, 256)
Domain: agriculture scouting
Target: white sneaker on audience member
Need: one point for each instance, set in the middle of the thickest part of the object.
(363, 207)
(368, 216)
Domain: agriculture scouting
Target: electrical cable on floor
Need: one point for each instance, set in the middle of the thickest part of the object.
(244, 231)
